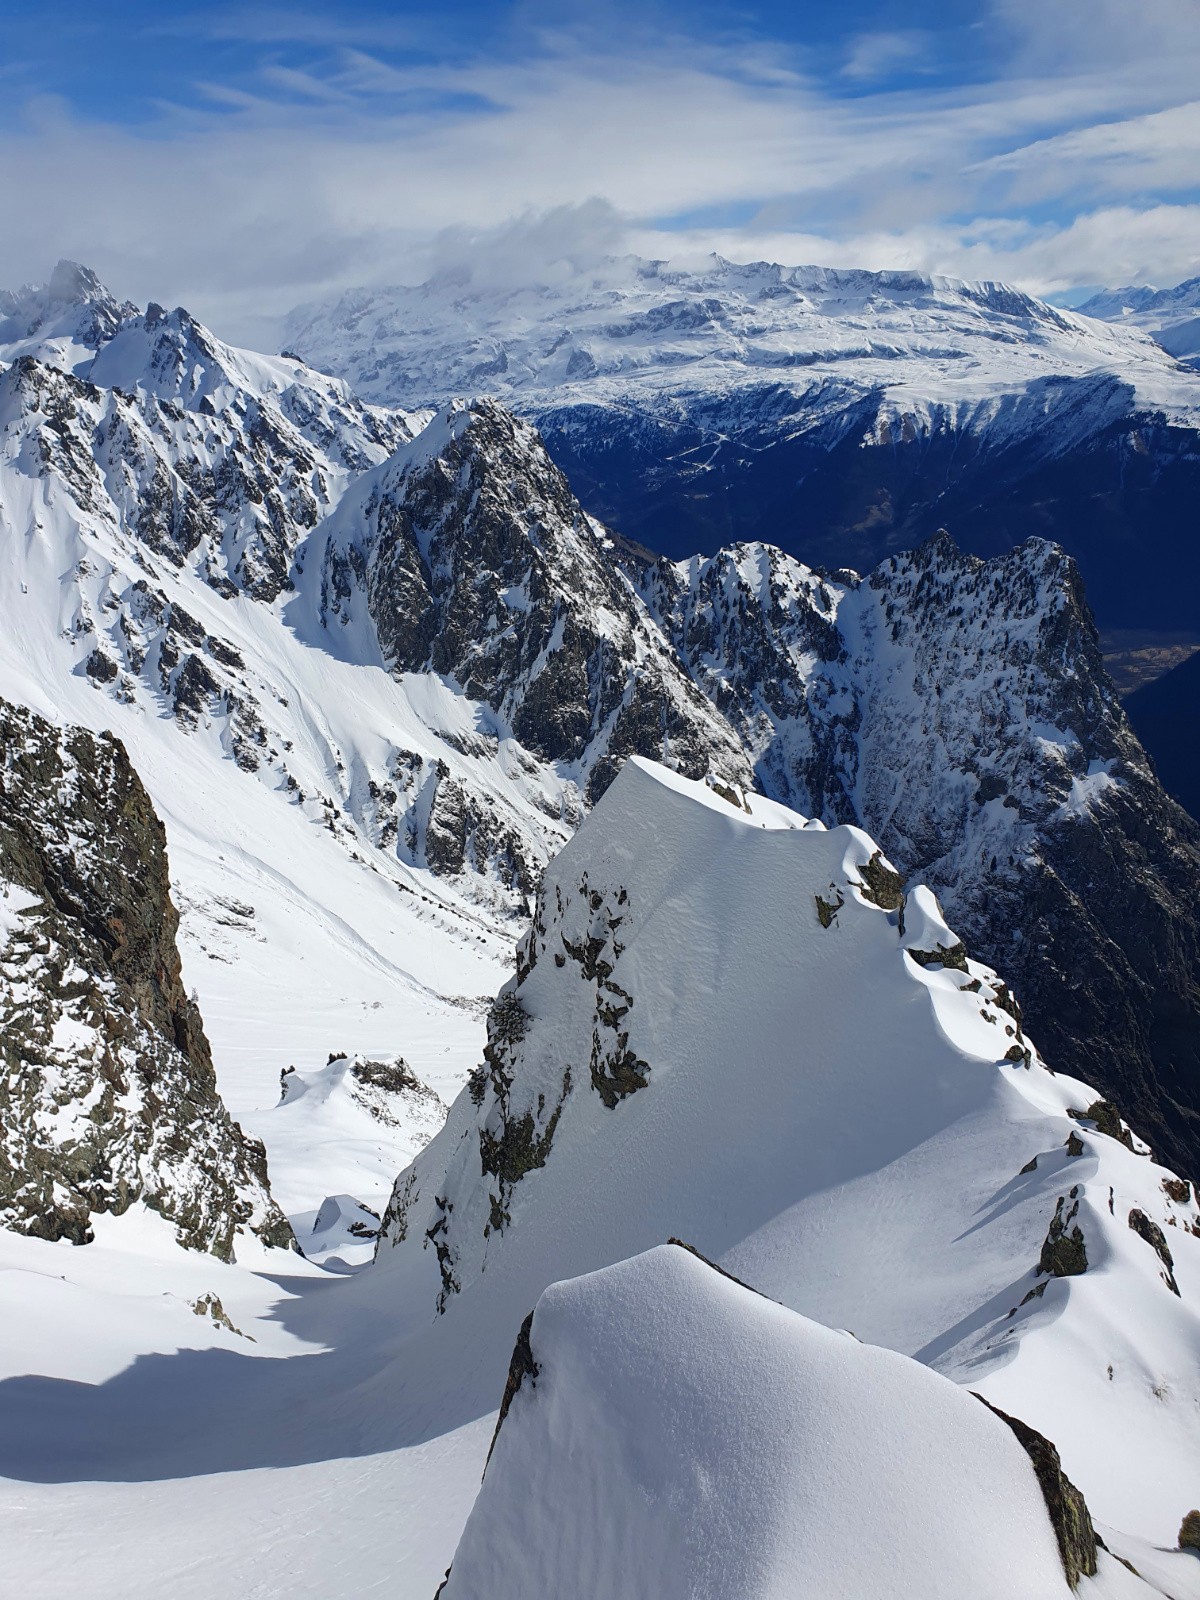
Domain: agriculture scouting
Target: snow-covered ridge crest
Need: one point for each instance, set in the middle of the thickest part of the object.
(958, 709)
(731, 1026)
(672, 1434)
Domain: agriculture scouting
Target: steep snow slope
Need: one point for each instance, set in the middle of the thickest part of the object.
(768, 1066)
(840, 415)
(672, 1434)
(719, 1031)
(147, 539)
(959, 711)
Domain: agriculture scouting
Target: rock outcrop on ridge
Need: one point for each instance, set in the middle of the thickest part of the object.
(107, 1096)
(960, 712)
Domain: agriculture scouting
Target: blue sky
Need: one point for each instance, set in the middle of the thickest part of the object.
(242, 158)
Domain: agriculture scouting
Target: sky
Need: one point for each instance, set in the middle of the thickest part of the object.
(241, 159)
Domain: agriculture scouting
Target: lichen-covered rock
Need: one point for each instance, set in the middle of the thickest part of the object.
(1064, 1254)
(107, 1091)
(1149, 1230)
(1066, 1507)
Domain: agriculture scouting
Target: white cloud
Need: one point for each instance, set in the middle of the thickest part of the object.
(357, 168)
(873, 55)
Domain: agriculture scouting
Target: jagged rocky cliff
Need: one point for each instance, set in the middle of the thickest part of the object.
(959, 710)
(476, 562)
(108, 1096)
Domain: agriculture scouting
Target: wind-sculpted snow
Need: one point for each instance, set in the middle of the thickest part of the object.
(677, 1436)
(959, 711)
(729, 1025)
(108, 1097)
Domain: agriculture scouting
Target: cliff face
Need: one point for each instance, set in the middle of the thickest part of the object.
(108, 1094)
(959, 710)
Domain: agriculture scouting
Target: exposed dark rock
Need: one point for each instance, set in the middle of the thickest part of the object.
(395, 1077)
(827, 910)
(521, 1366)
(1149, 1230)
(882, 884)
(1064, 1254)
(1065, 1506)
(1189, 1531)
(107, 1094)
(1107, 1120)
(942, 955)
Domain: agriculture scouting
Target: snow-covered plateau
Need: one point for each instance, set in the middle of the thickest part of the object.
(317, 718)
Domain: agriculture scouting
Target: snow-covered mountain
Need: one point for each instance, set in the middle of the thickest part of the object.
(355, 817)
(728, 1025)
(1170, 316)
(839, 415)
(959, 711)
(731, 1026)
(458, 657)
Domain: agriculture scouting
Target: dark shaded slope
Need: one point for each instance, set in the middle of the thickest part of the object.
(1166, 717)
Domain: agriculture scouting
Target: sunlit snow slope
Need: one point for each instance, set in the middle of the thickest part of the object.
(728, 1027)
(719, 1031)
(674, 1435)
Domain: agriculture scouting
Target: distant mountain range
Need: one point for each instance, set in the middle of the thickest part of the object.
(1170, 316)
(839, 415)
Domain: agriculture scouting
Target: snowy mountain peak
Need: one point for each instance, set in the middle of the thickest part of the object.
(65, 321)
(729, 1025)
(668, 1432)
(471, 558)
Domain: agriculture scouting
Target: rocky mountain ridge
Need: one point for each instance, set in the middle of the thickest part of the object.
(729, 1024)
(515, 651)
(108, 1096)
(1045, 832)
